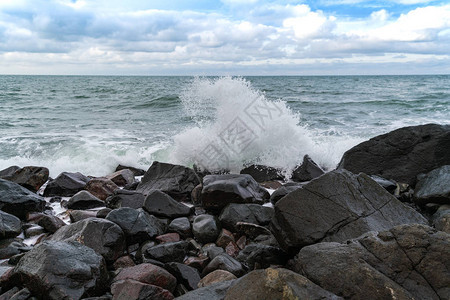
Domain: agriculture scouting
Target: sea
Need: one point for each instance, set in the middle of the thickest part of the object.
(91, 124)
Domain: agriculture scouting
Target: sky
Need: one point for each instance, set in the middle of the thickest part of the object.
(227, 37)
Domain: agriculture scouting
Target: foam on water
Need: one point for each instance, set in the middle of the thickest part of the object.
(237, 125)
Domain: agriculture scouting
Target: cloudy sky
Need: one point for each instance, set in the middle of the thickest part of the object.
(227, 37)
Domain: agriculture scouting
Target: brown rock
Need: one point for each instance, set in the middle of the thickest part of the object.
(123, 262)
(130, 289)
(101, 187)
(121, 177)
(232, 249)
(224, 238)
(216, 276)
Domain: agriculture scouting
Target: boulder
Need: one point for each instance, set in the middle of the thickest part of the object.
(66, 184)
(84, 200)
(62, 270)
(10, 226)
(307, 171)
(279, 283)
(167, 252)
(283, 191)
(433, 187)
(101, 187)
(103, 236)
(137, 224)
(215, 277)
(205, 228)
(174, 180)
(18, 201)
(187, 276)
(6, 173)
(220, 190)
(136, 171)
(134, 290)
(401, 154)
(149, 274)
(214, 291)
(30, 177)
(224, 262)
(182, 226)
(121, 177)
(337, 206)
(125, 198)
(262, 173)
(250, 213)
(160, 204)
(406, 262)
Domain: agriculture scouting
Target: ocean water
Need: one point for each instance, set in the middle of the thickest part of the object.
(91, 124)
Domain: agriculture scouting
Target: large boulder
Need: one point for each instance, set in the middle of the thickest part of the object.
(401, 154)
(434, 187)
(17, 200)
(62, 270)
(103, 236)
(406, 262)
(66, 184)
(220, 190)
(84, 200)
(125, 198)
(30, 177)
(175, 180)
(10, 226)
(250, 213)
(160, 204)
(337, 206)
(279, 283)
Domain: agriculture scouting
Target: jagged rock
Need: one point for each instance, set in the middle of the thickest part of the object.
(10, 226)
(101, 187)
(84, 200)
(62, 270)
(337, 206)
(307, 171)
(215, 277)
(137, 224)
(406, 262)
(6, 173)
(401, 154)
(214, 291)
(262, 173)
(389, 185)
(283, 191)
(258, 256)
(205, 228)
(167, 252)
(66, 184)
(160, 204)
(121, 177)
(185, 275)
(250, 213)
(434, 187)
(134, 290)
(125, 198)
(224, 262)
(30, 177)
(17, 200)
(220, 190)
(182, 226)
(174, 180)
(276, 284)
(104, 236)
(136, 171)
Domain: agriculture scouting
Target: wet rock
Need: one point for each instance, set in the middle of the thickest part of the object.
(104, 236)
(307, 171)
(149, 274)
(212, 250)
(406, 262)
(434, 187)
(185, 275)
(261, 173)
(224, 238)
(10, 226)
(205, 228)
(161, 204)
(182, 226)
(136, 171)
(224, 262)
(34, 231)
(257, 256)
(196, 194)
(221, 190)
(11, 247)
(387, 184)
(197, 262)
(78, 215)
(401, 154)
(66, 184)
(137, 224)
(101, 187)
(30, 177)
(168, 237)
(6, 173)
(18, 201)
(214, 291)
(125, 198)
(174, 180)
(337, 206)
(283, 191)
(216, 277)
(251, 230)
(232, 249)
(102, 213)
(23, 294)
(276, 284)
(121, 177)
(167, 252)
(8, 294)
(61, 270)
(134, 290)
(50, 223)
(250, 213)
(84, 200)
(123, 262)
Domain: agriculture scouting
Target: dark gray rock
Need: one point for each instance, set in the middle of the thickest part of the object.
(62, 270)
(136, 171)
(101, 187)
(224, 262)
(50, 223)
(279, 283)
(441, 219)
(220, 190)
(174, 180)
(262, 173)
(389, 185)
(30, 177)
(17, 200)
(125, 198)
(160, 204)
(137, 224)
(258, 256)
(434, 187)
(167, 252)
(406, 262)
(401, 154)
(84, 200)
(11, 247)
(185, 275)
(182, 226)
(337, 206)
(214, 291)
(307, 171)
(250, 213)
(23, 294)
(134, 290)
(66, 184)
(103, 236)
(78, 215)
(6, 173)
(10, 226)
(205, 228)
(212, 250)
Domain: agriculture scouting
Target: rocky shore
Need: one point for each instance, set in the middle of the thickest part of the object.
(377, 227)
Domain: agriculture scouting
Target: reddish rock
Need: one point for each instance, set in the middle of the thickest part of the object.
(30, 177)
(101, 187)
(242, 242)
(150, 274)
(123, 262)
(216, 276)
(168, 237)
(197, 262)
(121, 177)
(232, 249)
(134, 290)
(224, 238)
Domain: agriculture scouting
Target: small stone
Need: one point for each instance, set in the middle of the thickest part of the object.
(197, 262)
(168, 237)
(123, 262)
(224, 262)
(184, 274)
(167, 252)
(232, 249)
(224, 238)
